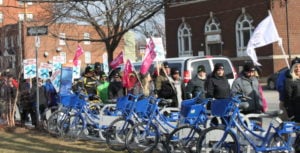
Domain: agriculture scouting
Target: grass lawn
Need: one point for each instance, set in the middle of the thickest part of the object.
(23, 140)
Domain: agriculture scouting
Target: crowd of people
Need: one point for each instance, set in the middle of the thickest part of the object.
(165, 82)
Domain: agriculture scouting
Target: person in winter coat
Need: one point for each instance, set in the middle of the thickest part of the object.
(178, 85)
(217, 84)
(197, 84)
(292, 92)
(280, 87)
(115, 87)
(247, 84)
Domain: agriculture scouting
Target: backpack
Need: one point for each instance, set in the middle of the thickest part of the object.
(167, 91)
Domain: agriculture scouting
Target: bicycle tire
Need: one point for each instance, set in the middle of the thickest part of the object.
(212, 136)
(54, 121)
(72, 127)
(277, 141)
(183, 140)
(116, 133)
(142, 137)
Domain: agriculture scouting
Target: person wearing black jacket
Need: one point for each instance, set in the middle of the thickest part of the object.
(197, 84)
(217, 84)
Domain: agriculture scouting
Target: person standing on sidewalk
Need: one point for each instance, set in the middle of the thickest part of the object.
(197, 84)
(217, 84)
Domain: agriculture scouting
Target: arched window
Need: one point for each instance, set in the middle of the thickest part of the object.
(184, 36)
(213, 38)
(244, 30)
(212, 25)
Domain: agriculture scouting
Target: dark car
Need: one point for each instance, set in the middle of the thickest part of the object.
(271, 82)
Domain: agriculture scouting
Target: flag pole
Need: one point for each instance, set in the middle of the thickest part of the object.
(284, 54)
(280, 45)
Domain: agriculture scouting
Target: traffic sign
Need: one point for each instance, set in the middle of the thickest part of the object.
(37, 30)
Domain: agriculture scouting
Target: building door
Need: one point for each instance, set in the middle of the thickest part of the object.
(214, 49)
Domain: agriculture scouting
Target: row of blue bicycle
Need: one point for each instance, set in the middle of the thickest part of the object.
(146, 124)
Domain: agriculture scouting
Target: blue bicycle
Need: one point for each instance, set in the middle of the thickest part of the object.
(229, 137)
(146, 136)
(193, 116)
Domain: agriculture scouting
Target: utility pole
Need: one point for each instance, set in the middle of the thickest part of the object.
(287, 29)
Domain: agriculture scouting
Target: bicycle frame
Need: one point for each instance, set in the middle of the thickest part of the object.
(251, 137)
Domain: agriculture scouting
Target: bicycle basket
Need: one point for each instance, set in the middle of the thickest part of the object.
(186, 106)
(287, 127)
(123, 103)
(143, 107)
(221, 107)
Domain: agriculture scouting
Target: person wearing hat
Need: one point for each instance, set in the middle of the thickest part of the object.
(247, 84)
(89, 82)
(162, 78)
(280, 87)
(102, 88)
(178, 85)
(197, 84)
(217, 84)
(292, 91)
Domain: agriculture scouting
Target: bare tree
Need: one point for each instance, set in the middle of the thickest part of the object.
(110, 18)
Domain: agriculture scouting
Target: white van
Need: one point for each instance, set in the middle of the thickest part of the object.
(188, 66)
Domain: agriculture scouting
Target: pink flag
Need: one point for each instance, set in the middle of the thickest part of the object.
(150, 56)
(128, 68)
(117, 61)
(79, 52)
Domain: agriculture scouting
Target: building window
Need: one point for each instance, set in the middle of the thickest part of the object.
(87, 57)
(244, 30)
(86, 36)
(29, 17)
(62, 37)
(184, 36)
(213, 39)
(1, 17)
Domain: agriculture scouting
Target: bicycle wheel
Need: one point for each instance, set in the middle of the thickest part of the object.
(54, 122)
(183, 140)
(142, 137)
(279, 141)
(71, 128)
(216, 139)
(116, 133)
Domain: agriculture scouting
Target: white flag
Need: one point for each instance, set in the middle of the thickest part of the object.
(265, 33)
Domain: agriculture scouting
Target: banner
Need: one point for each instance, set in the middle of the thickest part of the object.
(150, 56)
(44, 71)
(29, 68)
(117, 61)
(78, 53)
(265, 33)
(66, 80)
(128, 69)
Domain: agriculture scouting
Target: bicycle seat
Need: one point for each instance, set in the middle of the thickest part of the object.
(111, 100)
(274, 113)
(243, 105)
(166, 101)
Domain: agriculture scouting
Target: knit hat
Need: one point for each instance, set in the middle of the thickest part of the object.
(218, 66)
(201, 68)
(165, 64)
(174, 71)
(295, 60)
(249, 67)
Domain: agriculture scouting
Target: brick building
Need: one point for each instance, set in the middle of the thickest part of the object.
(16, 45)
(224, 27)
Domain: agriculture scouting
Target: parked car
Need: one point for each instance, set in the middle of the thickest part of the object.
(271, 81)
